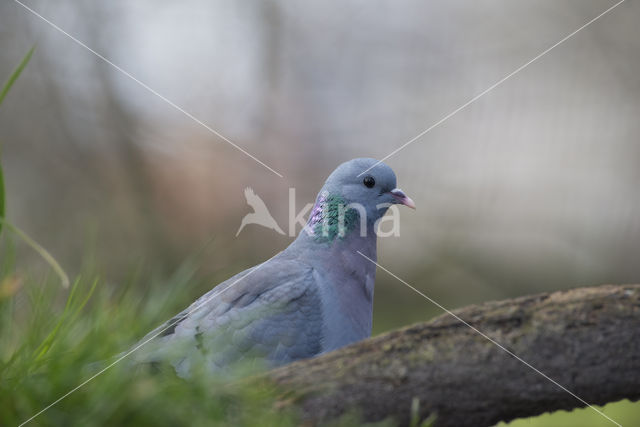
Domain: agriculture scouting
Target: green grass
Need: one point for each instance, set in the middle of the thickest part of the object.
(50, 337)
(2, 196)
(3, 93)
(3, 222)
(624, 412)
(16, 73)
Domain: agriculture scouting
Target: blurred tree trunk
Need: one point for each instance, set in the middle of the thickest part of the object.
(586, 339)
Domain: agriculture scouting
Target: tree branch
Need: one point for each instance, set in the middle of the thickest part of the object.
(587, 340)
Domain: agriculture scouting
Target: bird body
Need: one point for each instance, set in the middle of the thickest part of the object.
(313, 297)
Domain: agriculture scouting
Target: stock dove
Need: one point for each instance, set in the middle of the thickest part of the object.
(313, 297)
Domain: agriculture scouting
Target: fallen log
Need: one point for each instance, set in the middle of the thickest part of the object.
(584, 344)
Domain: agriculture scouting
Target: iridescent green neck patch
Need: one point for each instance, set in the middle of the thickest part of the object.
(331, 218)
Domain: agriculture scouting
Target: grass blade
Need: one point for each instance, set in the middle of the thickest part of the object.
(1, 196)
(5, 90)
(16, 73)
(40, 250)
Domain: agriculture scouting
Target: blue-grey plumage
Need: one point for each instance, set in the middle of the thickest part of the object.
(313, 297)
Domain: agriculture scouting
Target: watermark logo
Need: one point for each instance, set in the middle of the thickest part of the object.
(260, 214)
(332, 219)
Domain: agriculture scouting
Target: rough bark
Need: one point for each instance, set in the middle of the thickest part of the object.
(587, 340)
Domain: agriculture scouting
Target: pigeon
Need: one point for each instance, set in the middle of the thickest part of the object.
(313, 297)
(260, 214)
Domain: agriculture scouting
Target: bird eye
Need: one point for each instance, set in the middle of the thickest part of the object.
(368, 181)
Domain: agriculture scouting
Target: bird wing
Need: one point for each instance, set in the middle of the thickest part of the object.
(272, 311)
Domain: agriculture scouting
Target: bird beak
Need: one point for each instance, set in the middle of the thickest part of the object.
(402, 198)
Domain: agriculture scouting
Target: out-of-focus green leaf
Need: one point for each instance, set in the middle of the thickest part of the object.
(3, 222)
(1, 196)
(16, 73)
(5, 90)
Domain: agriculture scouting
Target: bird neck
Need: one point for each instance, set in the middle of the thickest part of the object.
(332, 218)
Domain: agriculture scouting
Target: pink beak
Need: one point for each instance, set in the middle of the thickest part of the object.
(402, 198)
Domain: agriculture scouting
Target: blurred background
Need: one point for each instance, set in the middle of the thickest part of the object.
(532, 188)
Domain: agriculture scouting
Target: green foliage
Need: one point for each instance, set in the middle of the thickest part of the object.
(415, 420)
(16, 73)
(3, 93)
(3, 222)
(44, 254)
(2, 206)
(51, 340)
(623, 412)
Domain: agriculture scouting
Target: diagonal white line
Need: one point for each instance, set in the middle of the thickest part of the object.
(134, 349)
(491, 340)
(490, 88)
(144, 85)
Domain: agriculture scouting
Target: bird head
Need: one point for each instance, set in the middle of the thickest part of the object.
(367, 194)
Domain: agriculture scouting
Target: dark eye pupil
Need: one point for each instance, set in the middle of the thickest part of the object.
(369, 181)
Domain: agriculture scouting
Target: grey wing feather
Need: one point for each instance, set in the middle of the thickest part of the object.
(272, 311)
